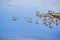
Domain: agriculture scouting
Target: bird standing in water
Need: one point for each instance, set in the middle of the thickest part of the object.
(14, 18)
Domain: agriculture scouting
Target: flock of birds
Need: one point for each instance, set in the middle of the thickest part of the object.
(48, 19)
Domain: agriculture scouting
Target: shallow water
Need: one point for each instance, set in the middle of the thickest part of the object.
(21, 29)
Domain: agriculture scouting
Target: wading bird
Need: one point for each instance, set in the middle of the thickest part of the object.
(14, 18)
(30, 20)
